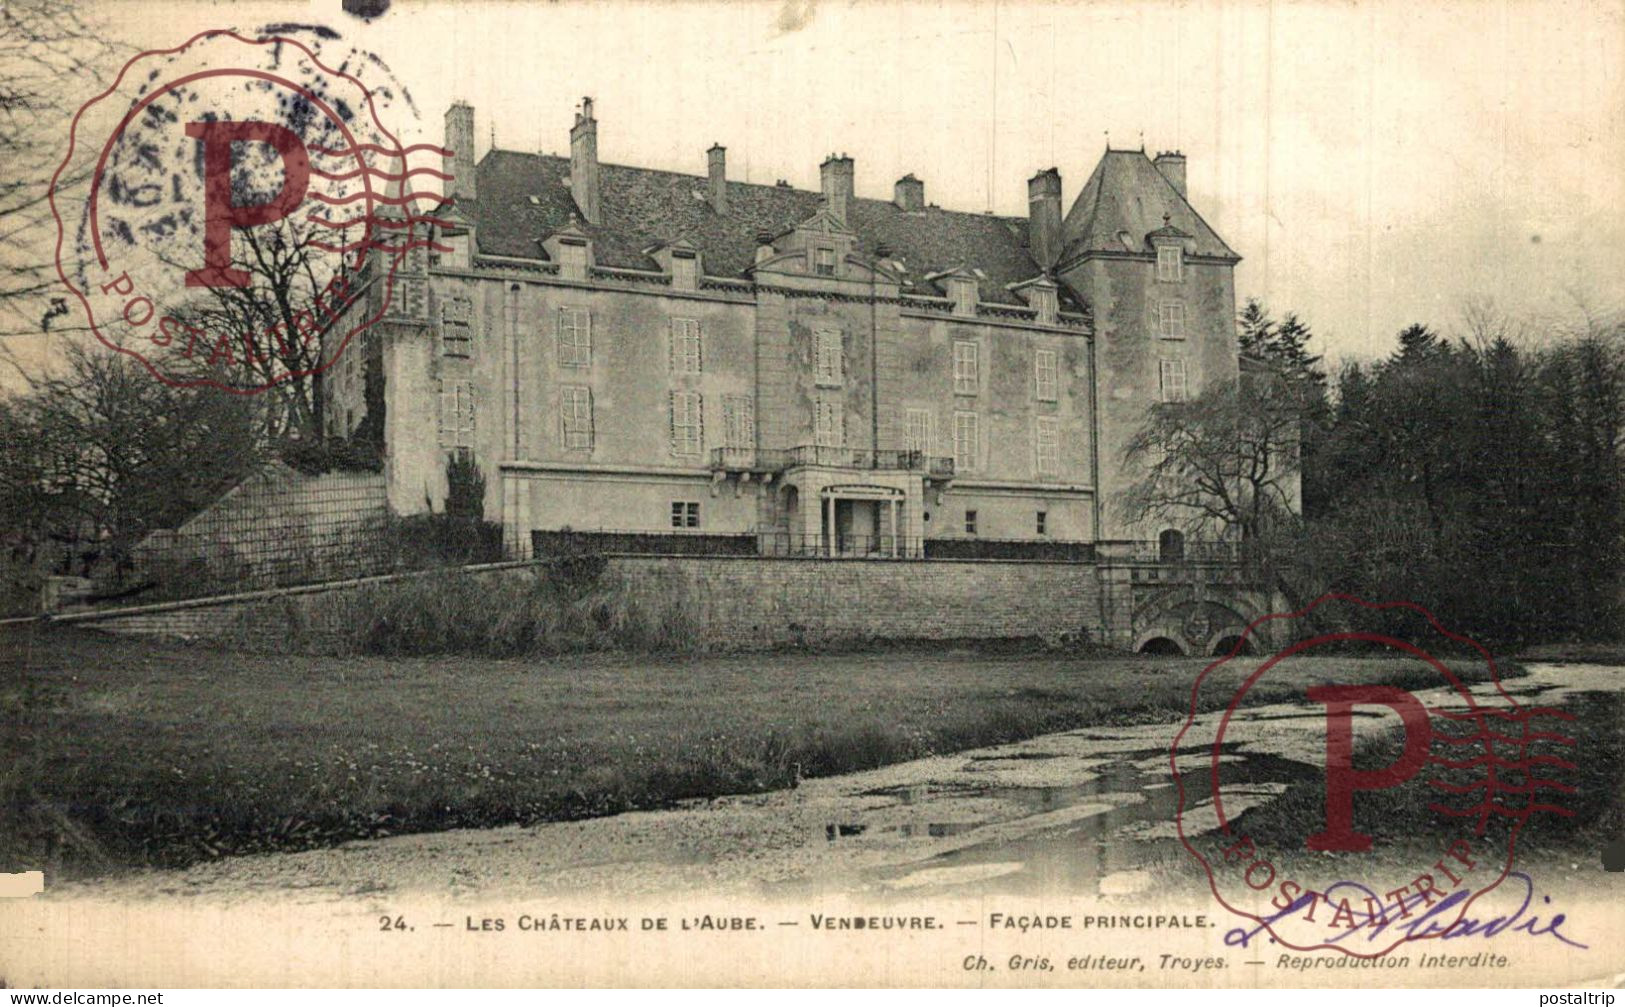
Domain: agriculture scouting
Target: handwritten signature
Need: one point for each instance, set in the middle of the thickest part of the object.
(1430, 924)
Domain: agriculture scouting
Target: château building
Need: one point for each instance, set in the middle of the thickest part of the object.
(691, 361)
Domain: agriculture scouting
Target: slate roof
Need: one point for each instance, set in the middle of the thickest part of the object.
(1128, 194)
(524, 197)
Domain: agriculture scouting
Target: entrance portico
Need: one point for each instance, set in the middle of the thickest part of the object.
(862, 520)
(835, 512)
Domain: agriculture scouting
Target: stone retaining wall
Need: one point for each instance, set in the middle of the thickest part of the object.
(736, 602)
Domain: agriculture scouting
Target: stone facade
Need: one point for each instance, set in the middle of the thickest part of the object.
(629, 350)
(632, 350)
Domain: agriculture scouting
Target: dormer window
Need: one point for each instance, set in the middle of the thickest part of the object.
(962, 292)
(684, 270)
(824, 261)
(1044, 302)
(1170, 264)
(458, 256)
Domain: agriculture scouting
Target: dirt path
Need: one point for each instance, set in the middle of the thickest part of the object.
(1084, 811)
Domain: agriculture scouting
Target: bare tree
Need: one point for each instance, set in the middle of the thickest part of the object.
(1224, 464)
(265, 333)
(99, 454)
(42, 44)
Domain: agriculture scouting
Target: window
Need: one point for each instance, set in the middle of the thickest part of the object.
(1045, 303)
(1170, 263)
(575, 417)
(970, 522)
(1171, 320)
(967, 441)
(687, 428)
(739, 421)
(966, 381)
(685, 514)
(685, 346)
(1047, 445)
(573, 260)
(455, 315)
(458, 256)
(575, 337)
(917, 431)
(1044, 375)
(684, 271)
(824, 262)
(1171, 546)
(1173, 380)
(829, 424)
(1041, 526)
(456, 414)
(827, 351)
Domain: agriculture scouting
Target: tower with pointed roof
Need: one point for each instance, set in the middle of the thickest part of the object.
(1160, 285)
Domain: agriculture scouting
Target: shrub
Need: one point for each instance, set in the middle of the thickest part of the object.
(465, 489)
(545, 609)
(425, 541)
(313, 457)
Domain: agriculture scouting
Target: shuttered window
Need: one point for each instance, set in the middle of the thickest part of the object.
(1173, 380)
(967, 441)
(1171, 320)
(966, 372)
(1044, 376)
(739, 421)
(918, 430)
(1170, 263)
(830, 427)
(687, 424)
(575, 417)
(575, 337)
(685, 346)
(1047, 445)
(827, 351)
(456, 316)
(456, 414)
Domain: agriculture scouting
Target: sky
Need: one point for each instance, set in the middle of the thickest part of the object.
(1375, 163)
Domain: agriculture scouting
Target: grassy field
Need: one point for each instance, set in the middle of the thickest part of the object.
(122, 753)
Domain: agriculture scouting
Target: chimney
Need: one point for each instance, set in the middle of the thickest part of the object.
(1172, 165)
(836, 173)
(584, 163)
(459, 164)
(764, 245)
(909, 193)
(1044, 218)
(716, 163)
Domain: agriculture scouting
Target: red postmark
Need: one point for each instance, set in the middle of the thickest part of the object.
(1455, 771)
(245, 167)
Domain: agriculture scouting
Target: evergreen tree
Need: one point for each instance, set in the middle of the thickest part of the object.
(1288, 348)
(1254, 327)
(1417, 342)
